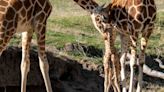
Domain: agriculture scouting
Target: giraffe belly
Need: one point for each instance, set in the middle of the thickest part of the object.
(22, 27)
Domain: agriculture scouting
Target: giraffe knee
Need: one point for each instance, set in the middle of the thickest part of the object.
(25, 65)
(133, 62)
(143, 43)
(142, 60)
(44, 66)
(106, 61)
(106, 66)
(122, 59)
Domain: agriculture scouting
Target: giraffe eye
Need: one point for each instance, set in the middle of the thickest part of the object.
(105, 18)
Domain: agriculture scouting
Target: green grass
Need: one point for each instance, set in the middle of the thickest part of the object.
(75, 22)
(15, 41)
(69, 23)
(78, 29)
(59, 39)
(160, 20)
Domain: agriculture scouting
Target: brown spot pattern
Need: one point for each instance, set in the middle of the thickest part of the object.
(144, 11)
(10, 25)
(129, 2)
(29, 15)
(132, 12)
(10, 13)
(2, 9)
(47, 8)
(140, 17)
(137, 2)
(152, 2)
(23, 12)
(136, 24)
(3, 3)
(5, 23)
(17, 5)
(42, 2)
(151, 11)
(27, 4)
(83, 2)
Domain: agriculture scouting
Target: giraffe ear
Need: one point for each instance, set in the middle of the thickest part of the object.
(102, 6)
(108, 7)
(99, 8)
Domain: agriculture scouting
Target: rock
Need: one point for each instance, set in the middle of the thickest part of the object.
(90, 51)
(69, 47)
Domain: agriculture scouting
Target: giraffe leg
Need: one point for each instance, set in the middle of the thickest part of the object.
(141, 63)
(144, 41)
(115, 61)
(107, 63)
(25, 64)
(116, 70)
(114, 86)
(123, 77)
(111, 62)
(108, 74)
(124, 50)
(43, 62)
(132, 63)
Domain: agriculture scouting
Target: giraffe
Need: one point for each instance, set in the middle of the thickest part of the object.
(26, 17)
(132, 19)
(111, 58)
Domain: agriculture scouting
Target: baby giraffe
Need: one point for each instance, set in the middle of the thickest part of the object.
(132, 19)
(111, 59)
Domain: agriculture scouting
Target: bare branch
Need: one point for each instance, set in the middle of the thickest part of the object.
(159, 62)
(152, 73)
(148, 71)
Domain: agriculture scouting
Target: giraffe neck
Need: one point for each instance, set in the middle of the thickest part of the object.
(89, 5)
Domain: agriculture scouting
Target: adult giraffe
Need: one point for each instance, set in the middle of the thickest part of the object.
(111, 59)
(26, 16)
(132, 19)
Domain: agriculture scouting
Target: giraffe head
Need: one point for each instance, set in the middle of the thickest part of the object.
(101, 18)
(99, 14)
(92, 7)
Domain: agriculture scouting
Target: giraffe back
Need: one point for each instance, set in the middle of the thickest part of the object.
(136, 14)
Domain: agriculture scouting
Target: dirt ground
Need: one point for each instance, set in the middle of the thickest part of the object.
(66, 75)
